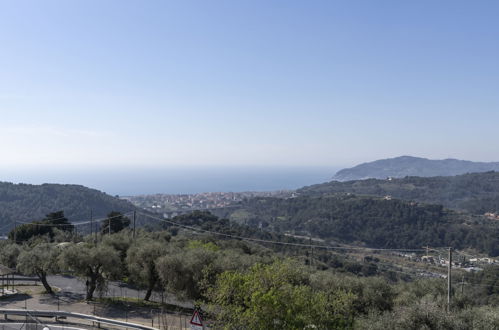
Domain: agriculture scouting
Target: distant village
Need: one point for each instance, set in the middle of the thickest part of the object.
(492, 216)
(467, 264)
(173, 204)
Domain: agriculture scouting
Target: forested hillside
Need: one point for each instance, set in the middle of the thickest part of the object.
(374, 222)
(26, 202)
(477, 193)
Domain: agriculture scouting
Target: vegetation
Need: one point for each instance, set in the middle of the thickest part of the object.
(114, 223)
(278, 296)
(141, 260)
(95, 264)
(247, 285)
(476, 193)
(403, 166)
(40, 261)
(260, 285)
(26, 202)
(48, 226)
(374, 222)
(9, 254)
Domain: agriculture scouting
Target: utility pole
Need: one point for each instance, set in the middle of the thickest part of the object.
(134, 217)
(311, 253)
(462, 285)
(449, 283)
(92, 225)
(15, 231)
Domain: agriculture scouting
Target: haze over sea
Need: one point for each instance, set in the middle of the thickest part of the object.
(177, 180)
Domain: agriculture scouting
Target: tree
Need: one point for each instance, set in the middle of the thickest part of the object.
(141, 261)
(94, 264)
(183, 270)
(114, 223)
(39, 260)
(9, 253)
(277, 296)
(46, 226)
(120, 242)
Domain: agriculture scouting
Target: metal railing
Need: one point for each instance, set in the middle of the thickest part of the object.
(61, 314)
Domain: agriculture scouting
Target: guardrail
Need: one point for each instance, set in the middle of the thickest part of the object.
(45, 313)
(23, 278)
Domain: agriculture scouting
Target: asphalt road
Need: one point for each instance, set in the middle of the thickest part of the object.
(72, 286)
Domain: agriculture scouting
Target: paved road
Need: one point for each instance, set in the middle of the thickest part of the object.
(74, 287)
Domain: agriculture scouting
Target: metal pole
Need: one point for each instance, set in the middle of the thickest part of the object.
(134, 217)
(462, 285)
(449, 278)
(311, 254)
(92, 225)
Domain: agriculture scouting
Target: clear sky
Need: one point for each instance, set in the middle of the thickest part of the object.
(241, 83)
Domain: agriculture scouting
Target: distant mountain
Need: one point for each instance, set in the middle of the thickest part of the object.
(400, 167)
(26, 202)
(476, 193)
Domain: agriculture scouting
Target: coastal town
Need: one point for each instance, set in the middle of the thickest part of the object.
(174, 204)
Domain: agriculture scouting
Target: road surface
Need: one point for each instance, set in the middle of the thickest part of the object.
(73, 287)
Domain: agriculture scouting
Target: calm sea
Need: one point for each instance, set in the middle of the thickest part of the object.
(178, 180)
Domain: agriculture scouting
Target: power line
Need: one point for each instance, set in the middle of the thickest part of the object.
(28, 221)
(327, 247)
(4, 227)
(72, 223)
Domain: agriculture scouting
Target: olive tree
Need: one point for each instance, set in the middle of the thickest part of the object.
(183, 271)
(95, 264)
(141, 261)
(40, 260)
(9, 253)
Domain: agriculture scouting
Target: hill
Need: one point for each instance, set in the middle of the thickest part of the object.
(369, 221)
(400, 167)
(476, 193)
(26, 202)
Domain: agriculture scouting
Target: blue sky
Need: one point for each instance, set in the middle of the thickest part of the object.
(246, 83)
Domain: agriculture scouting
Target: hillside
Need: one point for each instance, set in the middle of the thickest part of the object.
(400, 167)
(476, 193)
(26, 202)
(374, 222)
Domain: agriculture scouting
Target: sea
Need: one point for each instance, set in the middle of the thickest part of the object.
(176, 180)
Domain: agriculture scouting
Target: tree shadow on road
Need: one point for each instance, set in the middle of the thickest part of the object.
(14, 298)
(110, 311)
(61, 298)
